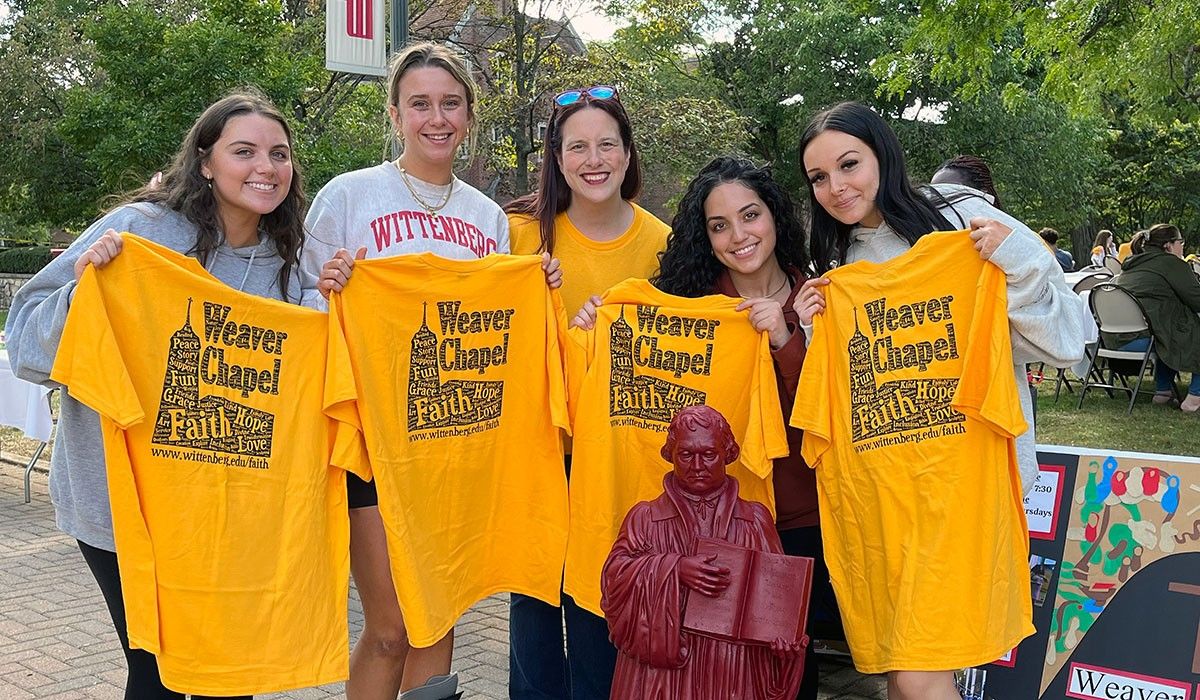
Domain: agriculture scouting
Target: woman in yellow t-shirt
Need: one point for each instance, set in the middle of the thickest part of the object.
(584, 215)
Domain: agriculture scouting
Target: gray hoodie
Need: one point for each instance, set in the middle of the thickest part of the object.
(78, 485)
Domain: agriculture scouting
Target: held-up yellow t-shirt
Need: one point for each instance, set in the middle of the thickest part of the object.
(452, 371)
(590, 267)
(230, 525)
(909, 417)
(651, 354)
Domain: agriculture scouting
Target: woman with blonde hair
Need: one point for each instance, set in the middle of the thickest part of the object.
(395, 208)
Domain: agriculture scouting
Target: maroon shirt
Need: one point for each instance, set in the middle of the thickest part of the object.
(795, 483)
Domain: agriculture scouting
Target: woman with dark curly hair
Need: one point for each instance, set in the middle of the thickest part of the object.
(736, 232)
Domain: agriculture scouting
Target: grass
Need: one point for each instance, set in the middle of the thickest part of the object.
(1102, 423)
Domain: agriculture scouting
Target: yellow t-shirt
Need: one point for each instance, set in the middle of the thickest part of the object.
(230, 524)
(590, 267)
(452, 371)
(909, 417)
(1124, 250)
(651, 354)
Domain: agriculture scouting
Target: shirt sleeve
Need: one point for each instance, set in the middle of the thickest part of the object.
(324, 233)
(1044, 313)
(555, 362)
(39, 309)
(503, 244)
(812, 411)
(89, 361)
(577, 347)
(766, 436)
(982, 392)
(341, 398)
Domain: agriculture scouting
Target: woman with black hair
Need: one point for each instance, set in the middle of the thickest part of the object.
(736, 232)
(863, 208)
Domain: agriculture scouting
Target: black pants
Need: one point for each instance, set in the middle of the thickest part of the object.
(143, 682)
(823, 618)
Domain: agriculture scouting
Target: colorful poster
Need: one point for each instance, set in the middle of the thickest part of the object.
(1115, 578)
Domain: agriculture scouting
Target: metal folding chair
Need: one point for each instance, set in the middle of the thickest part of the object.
(1117, 311)
(1091, 280)
(1113, 265)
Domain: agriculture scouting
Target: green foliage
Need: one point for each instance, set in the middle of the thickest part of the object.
(108, 102)
(1153, 176)
(1089, 50)
(24, 261)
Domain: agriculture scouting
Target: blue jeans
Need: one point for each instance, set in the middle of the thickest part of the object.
(1164, 376)
(538, 668)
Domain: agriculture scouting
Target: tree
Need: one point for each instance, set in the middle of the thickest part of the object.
(1154, 177)
(790, 59)
(99, 95)
(1087, 51)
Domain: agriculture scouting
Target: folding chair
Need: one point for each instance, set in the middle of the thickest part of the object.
(1091, 280)
(1113, 265)
(37, 452)
(1117, 311)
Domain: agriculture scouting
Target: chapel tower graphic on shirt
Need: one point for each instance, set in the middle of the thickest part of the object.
(893, 407)
(630, 394)
(433, 403)
(211, 423)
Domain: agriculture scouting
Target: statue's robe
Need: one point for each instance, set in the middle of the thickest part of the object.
(644, 601)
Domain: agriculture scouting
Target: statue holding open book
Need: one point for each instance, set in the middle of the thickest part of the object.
(700, 600)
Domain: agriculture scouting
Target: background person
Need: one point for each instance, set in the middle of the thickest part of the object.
(233, 199)
(968, 171)
(1103, 247)
(1169, 292)
(1065, 260)
(582, 213)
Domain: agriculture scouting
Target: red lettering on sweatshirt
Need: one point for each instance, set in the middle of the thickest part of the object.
(393, 229)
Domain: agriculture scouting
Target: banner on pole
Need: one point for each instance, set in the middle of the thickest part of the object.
(354, 37)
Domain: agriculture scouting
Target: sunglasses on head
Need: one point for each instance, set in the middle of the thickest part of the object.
(596, 92)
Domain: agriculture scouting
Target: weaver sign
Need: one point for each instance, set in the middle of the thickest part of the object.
(354, 37)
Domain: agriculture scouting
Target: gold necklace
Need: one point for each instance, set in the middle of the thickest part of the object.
(772, 294)
(430, 209)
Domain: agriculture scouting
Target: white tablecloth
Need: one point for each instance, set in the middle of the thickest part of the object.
(23, 405)
(1091, 334)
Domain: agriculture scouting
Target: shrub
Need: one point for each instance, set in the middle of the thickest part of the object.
(26, 260)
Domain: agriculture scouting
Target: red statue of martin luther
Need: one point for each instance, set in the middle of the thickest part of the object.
(653, 568)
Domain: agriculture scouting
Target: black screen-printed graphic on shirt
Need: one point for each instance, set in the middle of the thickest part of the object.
(646, 397)
(469, 405)
(888, 407)
(215, 423)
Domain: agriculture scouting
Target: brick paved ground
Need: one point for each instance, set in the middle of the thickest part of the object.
(56, 640)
